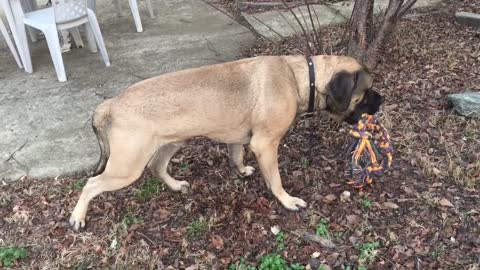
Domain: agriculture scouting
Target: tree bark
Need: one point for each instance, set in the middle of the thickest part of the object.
(361, 23)
(363, 44)
(388, 25)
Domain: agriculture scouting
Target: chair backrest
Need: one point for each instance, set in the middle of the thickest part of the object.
(69, 10)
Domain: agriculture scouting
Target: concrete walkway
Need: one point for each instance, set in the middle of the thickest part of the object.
(45, 126)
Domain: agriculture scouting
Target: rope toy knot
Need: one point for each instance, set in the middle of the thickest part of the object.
(370, 143)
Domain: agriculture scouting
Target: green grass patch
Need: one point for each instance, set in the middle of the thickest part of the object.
(366, 203)
(322, 229)
(438, 251)
(197, 228)
(128, 220)
(79, 184)
(271, 261)
(10, 255)
(280, 239)
(368, 251)
(148, 189)
(304, 162)
(184, 167)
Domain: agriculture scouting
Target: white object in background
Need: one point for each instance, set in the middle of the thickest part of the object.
(65, 14)
(134, 8)
(6, 36)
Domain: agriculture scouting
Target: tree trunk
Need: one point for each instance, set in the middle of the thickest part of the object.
(366, 43)
(361, 23)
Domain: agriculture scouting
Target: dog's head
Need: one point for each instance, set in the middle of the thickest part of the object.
(349, 92)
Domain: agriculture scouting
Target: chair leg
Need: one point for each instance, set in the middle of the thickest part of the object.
(22, 42)
(6, 36)
(29, 6)
(92, 4)
(92, 45)
(136, 15)
(117, 8)
(56, 53)
(150, 8)
(76, 37)
(93, 24)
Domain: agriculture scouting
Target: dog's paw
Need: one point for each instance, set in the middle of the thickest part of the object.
(293, 203)
(77, 223)
(248, 171)
(179, 186)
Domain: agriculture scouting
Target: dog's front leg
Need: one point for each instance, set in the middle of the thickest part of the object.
(265, 150)
(236, 153)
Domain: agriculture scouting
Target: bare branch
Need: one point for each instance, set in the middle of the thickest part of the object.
(301, 26)
(249, 27)
(334, 10)
(269, 28)
(406, 7)
(288, 22)
(385, 31)
(318, 45)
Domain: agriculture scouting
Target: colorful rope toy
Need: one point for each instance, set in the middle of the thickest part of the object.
(365, 152)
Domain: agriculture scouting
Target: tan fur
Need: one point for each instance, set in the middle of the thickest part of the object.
(252, 101)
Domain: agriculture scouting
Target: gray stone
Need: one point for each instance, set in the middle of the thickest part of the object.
(285, 24)
(468, 18)
(45, 125)
(466, 104)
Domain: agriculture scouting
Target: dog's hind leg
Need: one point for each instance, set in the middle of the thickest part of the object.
(129, 154)
(265, 149)
(236, 153)
(159, 163)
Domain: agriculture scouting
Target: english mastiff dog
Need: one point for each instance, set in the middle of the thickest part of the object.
(252, 101)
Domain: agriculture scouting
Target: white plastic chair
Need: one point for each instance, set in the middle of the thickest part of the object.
(64, 14)
(134, 8)
(12, 48)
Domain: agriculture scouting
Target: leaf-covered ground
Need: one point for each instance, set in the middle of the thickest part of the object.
(423, 214)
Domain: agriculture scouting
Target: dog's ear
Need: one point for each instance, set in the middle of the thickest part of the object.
(340, 90)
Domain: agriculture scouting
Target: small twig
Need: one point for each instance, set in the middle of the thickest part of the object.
(102, 95)
(315, 238)
(269, 28)
(319, 26)
(239, 22)
(14, 152)
(303, 17)
(139, 76)
(146, 238)
(319, 45)
(211, 48)
(185, 21)
(390, 261)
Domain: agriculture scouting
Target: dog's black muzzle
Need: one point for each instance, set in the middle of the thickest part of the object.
(370, 104)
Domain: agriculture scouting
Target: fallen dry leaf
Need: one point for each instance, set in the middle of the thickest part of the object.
(217, 242)
(390, 205)
(352, 219)
(445, 202)
(330, 198)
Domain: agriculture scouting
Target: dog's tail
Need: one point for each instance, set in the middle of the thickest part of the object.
(101, 122)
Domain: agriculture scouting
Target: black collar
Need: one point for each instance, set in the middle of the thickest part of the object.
(311, 75)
